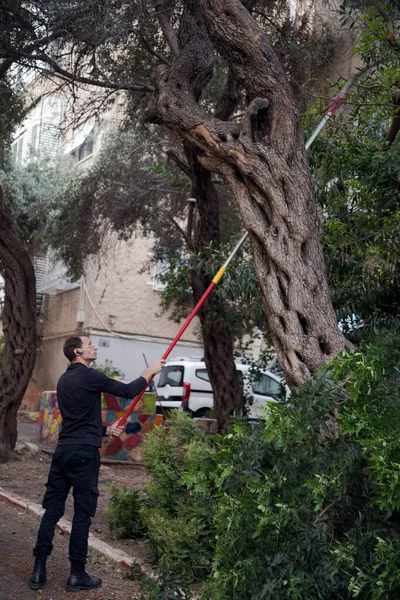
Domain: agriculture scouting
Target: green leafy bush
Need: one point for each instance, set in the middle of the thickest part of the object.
(308, 504)
(123, 513)
(178, 514)
(109, 369)
(304, 505)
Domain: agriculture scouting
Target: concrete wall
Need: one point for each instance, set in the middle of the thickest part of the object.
(50, 364)
(60, 314)
(118, 288)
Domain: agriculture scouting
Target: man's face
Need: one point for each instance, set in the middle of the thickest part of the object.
(88, 349)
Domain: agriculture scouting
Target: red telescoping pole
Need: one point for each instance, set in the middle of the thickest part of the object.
(190, 318)
(341, 97)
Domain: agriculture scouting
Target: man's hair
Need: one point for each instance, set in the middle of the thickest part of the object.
(70, 344)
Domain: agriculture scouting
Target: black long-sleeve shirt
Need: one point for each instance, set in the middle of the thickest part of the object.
(79, 399)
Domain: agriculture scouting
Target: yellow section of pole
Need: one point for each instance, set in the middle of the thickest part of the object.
(218, 276)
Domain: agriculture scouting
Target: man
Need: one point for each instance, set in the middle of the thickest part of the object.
(76, 460)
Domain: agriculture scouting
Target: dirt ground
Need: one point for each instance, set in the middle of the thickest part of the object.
(27, 477)
(17, 537)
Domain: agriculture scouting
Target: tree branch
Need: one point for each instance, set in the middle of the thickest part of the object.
(13, 54)
(385, 16)
(152, 51)
(321, 514)
(4, 66)
(179, 162)
(164, 9)
(182, 232)
(228, 99)
(133, 87)
(2, 202)
(395, 125)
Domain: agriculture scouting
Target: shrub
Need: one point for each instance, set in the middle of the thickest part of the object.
(307, 504)
(123, 513)
(304, 505)
(178, 514)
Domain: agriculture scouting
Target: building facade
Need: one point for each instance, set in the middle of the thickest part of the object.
(116, 303)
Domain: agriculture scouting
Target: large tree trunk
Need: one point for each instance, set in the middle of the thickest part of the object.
(218, 345)
(19, 324)
(265, 163)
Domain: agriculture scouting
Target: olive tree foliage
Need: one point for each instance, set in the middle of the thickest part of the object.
(35, 195)
(29, 203)
(23, 30)
(153, 199)
(356, 169)
(169, 56)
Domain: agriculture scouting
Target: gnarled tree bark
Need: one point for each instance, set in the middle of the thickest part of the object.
(195, 70)
(218, 345)
(19, 325)
(265, 163)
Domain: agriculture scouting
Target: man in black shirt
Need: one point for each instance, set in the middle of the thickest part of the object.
(76, 460)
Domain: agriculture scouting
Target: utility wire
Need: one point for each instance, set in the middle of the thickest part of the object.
(116, 334)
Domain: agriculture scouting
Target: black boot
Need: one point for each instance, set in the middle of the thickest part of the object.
(38, 577)
(77, 583)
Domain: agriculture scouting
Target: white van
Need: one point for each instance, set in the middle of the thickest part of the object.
(184, 383)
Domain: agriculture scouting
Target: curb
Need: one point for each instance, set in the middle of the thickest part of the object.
(64, 525)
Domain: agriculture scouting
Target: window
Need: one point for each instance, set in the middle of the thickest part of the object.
(17, 150)
(84, 150)
(160, 268)
(202, 374)
(81, 141)
(172, 376)
(266, 386)
(34, 138)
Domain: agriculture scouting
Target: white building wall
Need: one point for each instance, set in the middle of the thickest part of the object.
(130, 355)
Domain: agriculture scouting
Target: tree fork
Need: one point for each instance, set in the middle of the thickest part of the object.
(192, 69)
(265, 163)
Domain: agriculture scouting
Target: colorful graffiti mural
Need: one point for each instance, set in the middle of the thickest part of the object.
(127, 447)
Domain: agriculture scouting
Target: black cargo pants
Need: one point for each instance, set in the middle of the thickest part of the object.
(76, 466)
